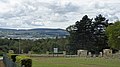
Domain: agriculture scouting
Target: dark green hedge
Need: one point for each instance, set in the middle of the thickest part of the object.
(26, 62)
(13, 57)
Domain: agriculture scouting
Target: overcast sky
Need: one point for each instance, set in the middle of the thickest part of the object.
(26, 14)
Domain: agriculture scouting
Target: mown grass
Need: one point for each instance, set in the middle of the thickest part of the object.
(75, 62)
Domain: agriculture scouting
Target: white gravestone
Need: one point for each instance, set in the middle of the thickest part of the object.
(55, 50)
(82, 53)
(107, 53)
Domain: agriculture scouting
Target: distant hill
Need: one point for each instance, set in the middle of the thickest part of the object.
(33, 33)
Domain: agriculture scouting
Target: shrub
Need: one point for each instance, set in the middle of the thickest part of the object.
(20, 59)
(1, 53)
(24, 60)
(12, 57)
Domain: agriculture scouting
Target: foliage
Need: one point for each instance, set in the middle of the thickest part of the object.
(88, 34)
(1, 53)
(20, 59)
(43, 45)
(12, 57)
(99, 27)
(37, 46)
(113, 33)
(79, 33)
(24, 60)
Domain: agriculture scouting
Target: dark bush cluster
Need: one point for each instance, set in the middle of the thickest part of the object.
(13, 57)
(26, 62)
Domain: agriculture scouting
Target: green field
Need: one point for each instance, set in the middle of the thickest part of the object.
(75, 62)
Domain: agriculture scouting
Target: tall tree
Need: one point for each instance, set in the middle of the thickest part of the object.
(99, 26)
(80, 34)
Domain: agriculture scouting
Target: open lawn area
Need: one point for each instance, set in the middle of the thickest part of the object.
(74, 62)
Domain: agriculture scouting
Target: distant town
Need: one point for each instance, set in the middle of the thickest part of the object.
(33, 34)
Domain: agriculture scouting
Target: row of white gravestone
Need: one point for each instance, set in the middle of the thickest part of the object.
(85, 53)
(12, 52)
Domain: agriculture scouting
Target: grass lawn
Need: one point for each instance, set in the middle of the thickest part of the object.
(74, 62)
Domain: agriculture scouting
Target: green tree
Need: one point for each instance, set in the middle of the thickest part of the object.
(80, 34)
(87, 34)
(113, 33)
(100, 39)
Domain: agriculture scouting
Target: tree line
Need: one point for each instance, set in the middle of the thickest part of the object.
(38, 46)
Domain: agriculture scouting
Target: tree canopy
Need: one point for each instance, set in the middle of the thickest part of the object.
(88, 34)
(113, 33)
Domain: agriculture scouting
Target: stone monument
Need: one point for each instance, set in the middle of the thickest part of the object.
(82, 53)
(107, 53)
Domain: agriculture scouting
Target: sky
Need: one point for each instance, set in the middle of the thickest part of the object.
(27, 14)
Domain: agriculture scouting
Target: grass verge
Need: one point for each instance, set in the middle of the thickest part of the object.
(74, 62)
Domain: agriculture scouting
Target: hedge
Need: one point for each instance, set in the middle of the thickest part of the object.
(12, 57)
(21, 59)
(24, 60)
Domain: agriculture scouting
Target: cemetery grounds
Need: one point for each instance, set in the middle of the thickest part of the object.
(75, 62)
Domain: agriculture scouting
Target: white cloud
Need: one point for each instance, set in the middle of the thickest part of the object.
(52, 13)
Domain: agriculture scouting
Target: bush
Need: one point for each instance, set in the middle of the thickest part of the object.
(24, 60)
(1, 53)
(12, 57)
(20, 59)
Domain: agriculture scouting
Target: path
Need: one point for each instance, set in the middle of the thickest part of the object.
(1, 63)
